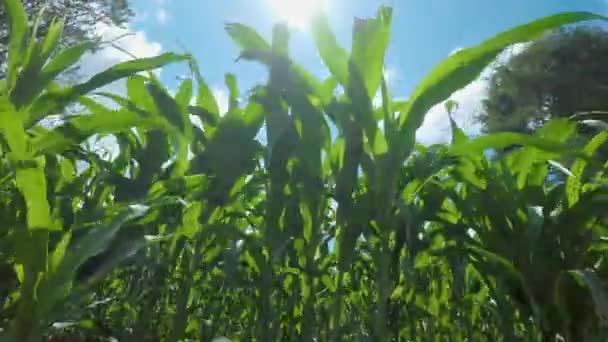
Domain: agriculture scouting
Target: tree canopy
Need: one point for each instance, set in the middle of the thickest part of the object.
(556, 76)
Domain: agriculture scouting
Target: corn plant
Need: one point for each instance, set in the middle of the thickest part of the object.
(335, 225)
(537, 239)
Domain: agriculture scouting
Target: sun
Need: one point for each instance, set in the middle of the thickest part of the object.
(298, 13)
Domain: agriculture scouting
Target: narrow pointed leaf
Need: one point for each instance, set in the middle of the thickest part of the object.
(55, 101)
(333, 56)
(574, 183)
(18, 27)
(370, 40)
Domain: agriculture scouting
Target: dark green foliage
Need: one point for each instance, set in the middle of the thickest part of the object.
(556, 76)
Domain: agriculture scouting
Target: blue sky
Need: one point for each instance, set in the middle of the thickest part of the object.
(424, 32)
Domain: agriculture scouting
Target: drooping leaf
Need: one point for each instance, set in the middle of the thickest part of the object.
(54, 101)
(55, 286)
(501, 141)
(464, 66)
(81, 128)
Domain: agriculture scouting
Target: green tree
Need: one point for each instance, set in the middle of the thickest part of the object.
(558, 75)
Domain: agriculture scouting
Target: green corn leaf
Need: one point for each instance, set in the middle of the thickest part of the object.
(387, 110)
(335, 158)
(117, 254)
(179, 186)
(54, 101)
(138, 94)
(500, 141)
(33, 45)
(39, 52)
(465, 66)
(246, 37)
(177, 116)
(81, 128)
(574, 183)
(209, 110)
(327, 90)
(307, 221)
(370, 40)
(31, 181)
(183, 98)
(184, 94)
(126, 69)
(51, 40)
(64, 59)
(280, 39)
(55, 286)
(588, 278)
(208, 119)
(31, 81)
(18, 28)
(30, 175)
(58, 254)
(334, 56)
(558, 130)
(233, 90)
(362, 105)
(458, 135)
(190, 225)
(168, 107)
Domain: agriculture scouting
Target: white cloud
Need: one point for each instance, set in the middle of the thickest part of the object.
(222, 98)
(161, 13)
(162, 16)
(377, 100)
(436, 126)
(135, 43)
(391, 74)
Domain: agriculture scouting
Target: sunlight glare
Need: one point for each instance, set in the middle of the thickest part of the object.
(298, 13)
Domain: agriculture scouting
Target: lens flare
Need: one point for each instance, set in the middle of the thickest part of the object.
(298, 13)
